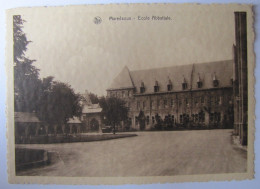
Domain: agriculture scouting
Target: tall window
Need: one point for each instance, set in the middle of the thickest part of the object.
(172, 102)
(147, 120)
(202, 100)
(180, 102)
(144, 103)
(217, 100)
(152, 104)
(186, 101)
(138, 105)
(196, 100)
(158, 103)
(165, 103)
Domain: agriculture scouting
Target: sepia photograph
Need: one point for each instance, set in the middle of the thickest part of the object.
(123, 91)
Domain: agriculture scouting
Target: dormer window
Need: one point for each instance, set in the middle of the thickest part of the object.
(142, 88)
(199, 82)
(156, 87)
(215, 81)
(184, 84)
(169, 86)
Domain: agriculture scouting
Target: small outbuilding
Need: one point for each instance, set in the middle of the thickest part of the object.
(26, 124)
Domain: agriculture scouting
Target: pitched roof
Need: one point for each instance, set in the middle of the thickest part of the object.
(223, 70)
(93, 108)
(123, 80)
(74, 120)
(25, 117)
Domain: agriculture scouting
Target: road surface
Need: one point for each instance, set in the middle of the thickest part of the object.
(148, 154)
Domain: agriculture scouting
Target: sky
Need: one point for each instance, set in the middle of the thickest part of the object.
(68, 45)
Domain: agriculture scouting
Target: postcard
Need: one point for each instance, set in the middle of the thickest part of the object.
(130, 93)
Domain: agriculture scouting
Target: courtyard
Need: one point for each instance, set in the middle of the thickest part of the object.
(148, 154)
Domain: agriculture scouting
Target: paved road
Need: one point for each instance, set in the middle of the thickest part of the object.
(148, 154)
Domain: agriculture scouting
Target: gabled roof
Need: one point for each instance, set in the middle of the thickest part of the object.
(25, 117)
(122, 81)
(177, 74)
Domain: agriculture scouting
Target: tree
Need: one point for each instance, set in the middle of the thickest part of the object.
(114, 110)
(26, 76)
(58, 103)
(94, 98)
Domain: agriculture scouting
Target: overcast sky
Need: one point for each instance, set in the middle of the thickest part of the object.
(68, 45)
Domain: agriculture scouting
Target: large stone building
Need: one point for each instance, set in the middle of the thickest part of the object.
(195, 95)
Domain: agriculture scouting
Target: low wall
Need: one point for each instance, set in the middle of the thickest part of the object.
(30, 158)
(71, 138)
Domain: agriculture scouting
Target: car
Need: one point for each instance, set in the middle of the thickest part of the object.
(107, 129)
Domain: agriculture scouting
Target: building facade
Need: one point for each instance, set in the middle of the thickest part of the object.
(195, 95)
(240, 78)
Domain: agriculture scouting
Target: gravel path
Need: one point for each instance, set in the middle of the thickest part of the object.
(148, 154)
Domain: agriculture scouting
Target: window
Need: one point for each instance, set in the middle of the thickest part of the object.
(147, 120)
(217, 100)
(172, 102)
(215, 83)
(211, 117)
(158, 103)
(156, 88)
(181, 118)
(184, 86)
(209, 100)
(142, 89)
(144, 104)
(202, 117)
(196, 100)
(165, 103)
(186, 101)
(152, 104)
(136, 120)
(202, 100)
(169, 87)
(199, 83)
(180, 102)
(123, 94)
(153, 120)
(138, 105)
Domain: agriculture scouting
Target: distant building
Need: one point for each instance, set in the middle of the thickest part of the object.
(91, 116)
(240, 78)
(189, 95)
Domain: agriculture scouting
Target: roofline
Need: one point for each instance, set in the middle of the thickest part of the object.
(189, 64)
(121, 88)
(183, 91)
